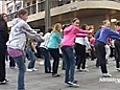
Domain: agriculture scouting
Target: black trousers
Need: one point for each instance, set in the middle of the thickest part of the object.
(12, 62)
(96, 54)
(55, 55)
(117, 53)
(80, 55)
(2, 62)
(92, 53)
(100, 49)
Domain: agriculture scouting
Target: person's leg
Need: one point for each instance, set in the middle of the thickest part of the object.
(32, 58)
(101, 55)
(83, 57)
(12, 62)
(63, 62)
(21, 65)
(117, 53)
(78, 50)
(72, 64)
(67, 64)
(96, 53)
(47, 63)
(55, 54)
(2, 64)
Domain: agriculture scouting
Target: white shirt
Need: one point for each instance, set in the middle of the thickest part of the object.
(83, 41)
(46, 40)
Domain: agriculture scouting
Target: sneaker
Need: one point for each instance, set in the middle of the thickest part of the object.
(75, 81)
(56, 75)
(71, 84)
(6, 80)
(106, 75)
(12, 67)
(85, 70)
(34, 69)
(48, 72)
(118, 69)
(78, 70)
(41, 62)
(29, 70)
(3, 82)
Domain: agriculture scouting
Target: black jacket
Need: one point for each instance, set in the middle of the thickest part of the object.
(3, 33)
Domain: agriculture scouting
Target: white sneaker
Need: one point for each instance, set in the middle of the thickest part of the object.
(41, 62)
(118, 69)
(71, 84)
(85, 70)
(29, 70)
(34, 69)
(106, 75)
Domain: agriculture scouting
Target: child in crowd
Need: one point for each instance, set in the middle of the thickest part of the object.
(17, 42)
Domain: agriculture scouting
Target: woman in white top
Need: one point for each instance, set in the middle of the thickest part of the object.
(44, 51)
(80, 48)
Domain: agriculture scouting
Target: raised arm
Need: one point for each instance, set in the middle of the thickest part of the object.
(78, 30)
(31, 33)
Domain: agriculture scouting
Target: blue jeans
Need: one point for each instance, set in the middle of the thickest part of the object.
(21, 65)
(63, 62)
(46, 56)
(69, 63)
(32, 58)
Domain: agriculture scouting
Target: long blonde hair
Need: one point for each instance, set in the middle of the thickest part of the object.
(55, 28)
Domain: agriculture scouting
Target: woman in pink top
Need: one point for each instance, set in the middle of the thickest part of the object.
(67, 43)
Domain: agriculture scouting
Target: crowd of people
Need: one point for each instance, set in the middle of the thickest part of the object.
(76, 42)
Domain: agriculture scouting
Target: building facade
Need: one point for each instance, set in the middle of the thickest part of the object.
(91, 12)
(11, 7)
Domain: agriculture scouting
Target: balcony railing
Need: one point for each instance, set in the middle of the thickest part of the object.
(40, 6)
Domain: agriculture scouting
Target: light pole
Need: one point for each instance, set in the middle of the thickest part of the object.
(47, 15)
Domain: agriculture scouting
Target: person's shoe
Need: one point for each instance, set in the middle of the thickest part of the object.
(48, 72)
(78, 70)
(118, 69)
(29, 70)
(98, 67)
(71, 84)
(34, 69)
(106, 75)
(6, 80)
(3, 82)
(75, 81)
(12, 67)
(41, 63)
(85, 70)
(56, 75)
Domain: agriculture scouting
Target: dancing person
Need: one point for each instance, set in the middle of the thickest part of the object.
(80, 48)
(105, 33)
(17, 41)
(53, 47)
(45, 52)
(67, 43)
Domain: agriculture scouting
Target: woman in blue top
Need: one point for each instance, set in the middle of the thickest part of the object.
(53, 47)
(105, 33)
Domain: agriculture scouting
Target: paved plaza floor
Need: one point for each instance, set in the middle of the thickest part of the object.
(91, 80)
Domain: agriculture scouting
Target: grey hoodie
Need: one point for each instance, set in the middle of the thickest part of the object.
(19, 32)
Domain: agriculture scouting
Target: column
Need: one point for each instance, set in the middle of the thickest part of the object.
(47, 15)
(37, 6)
